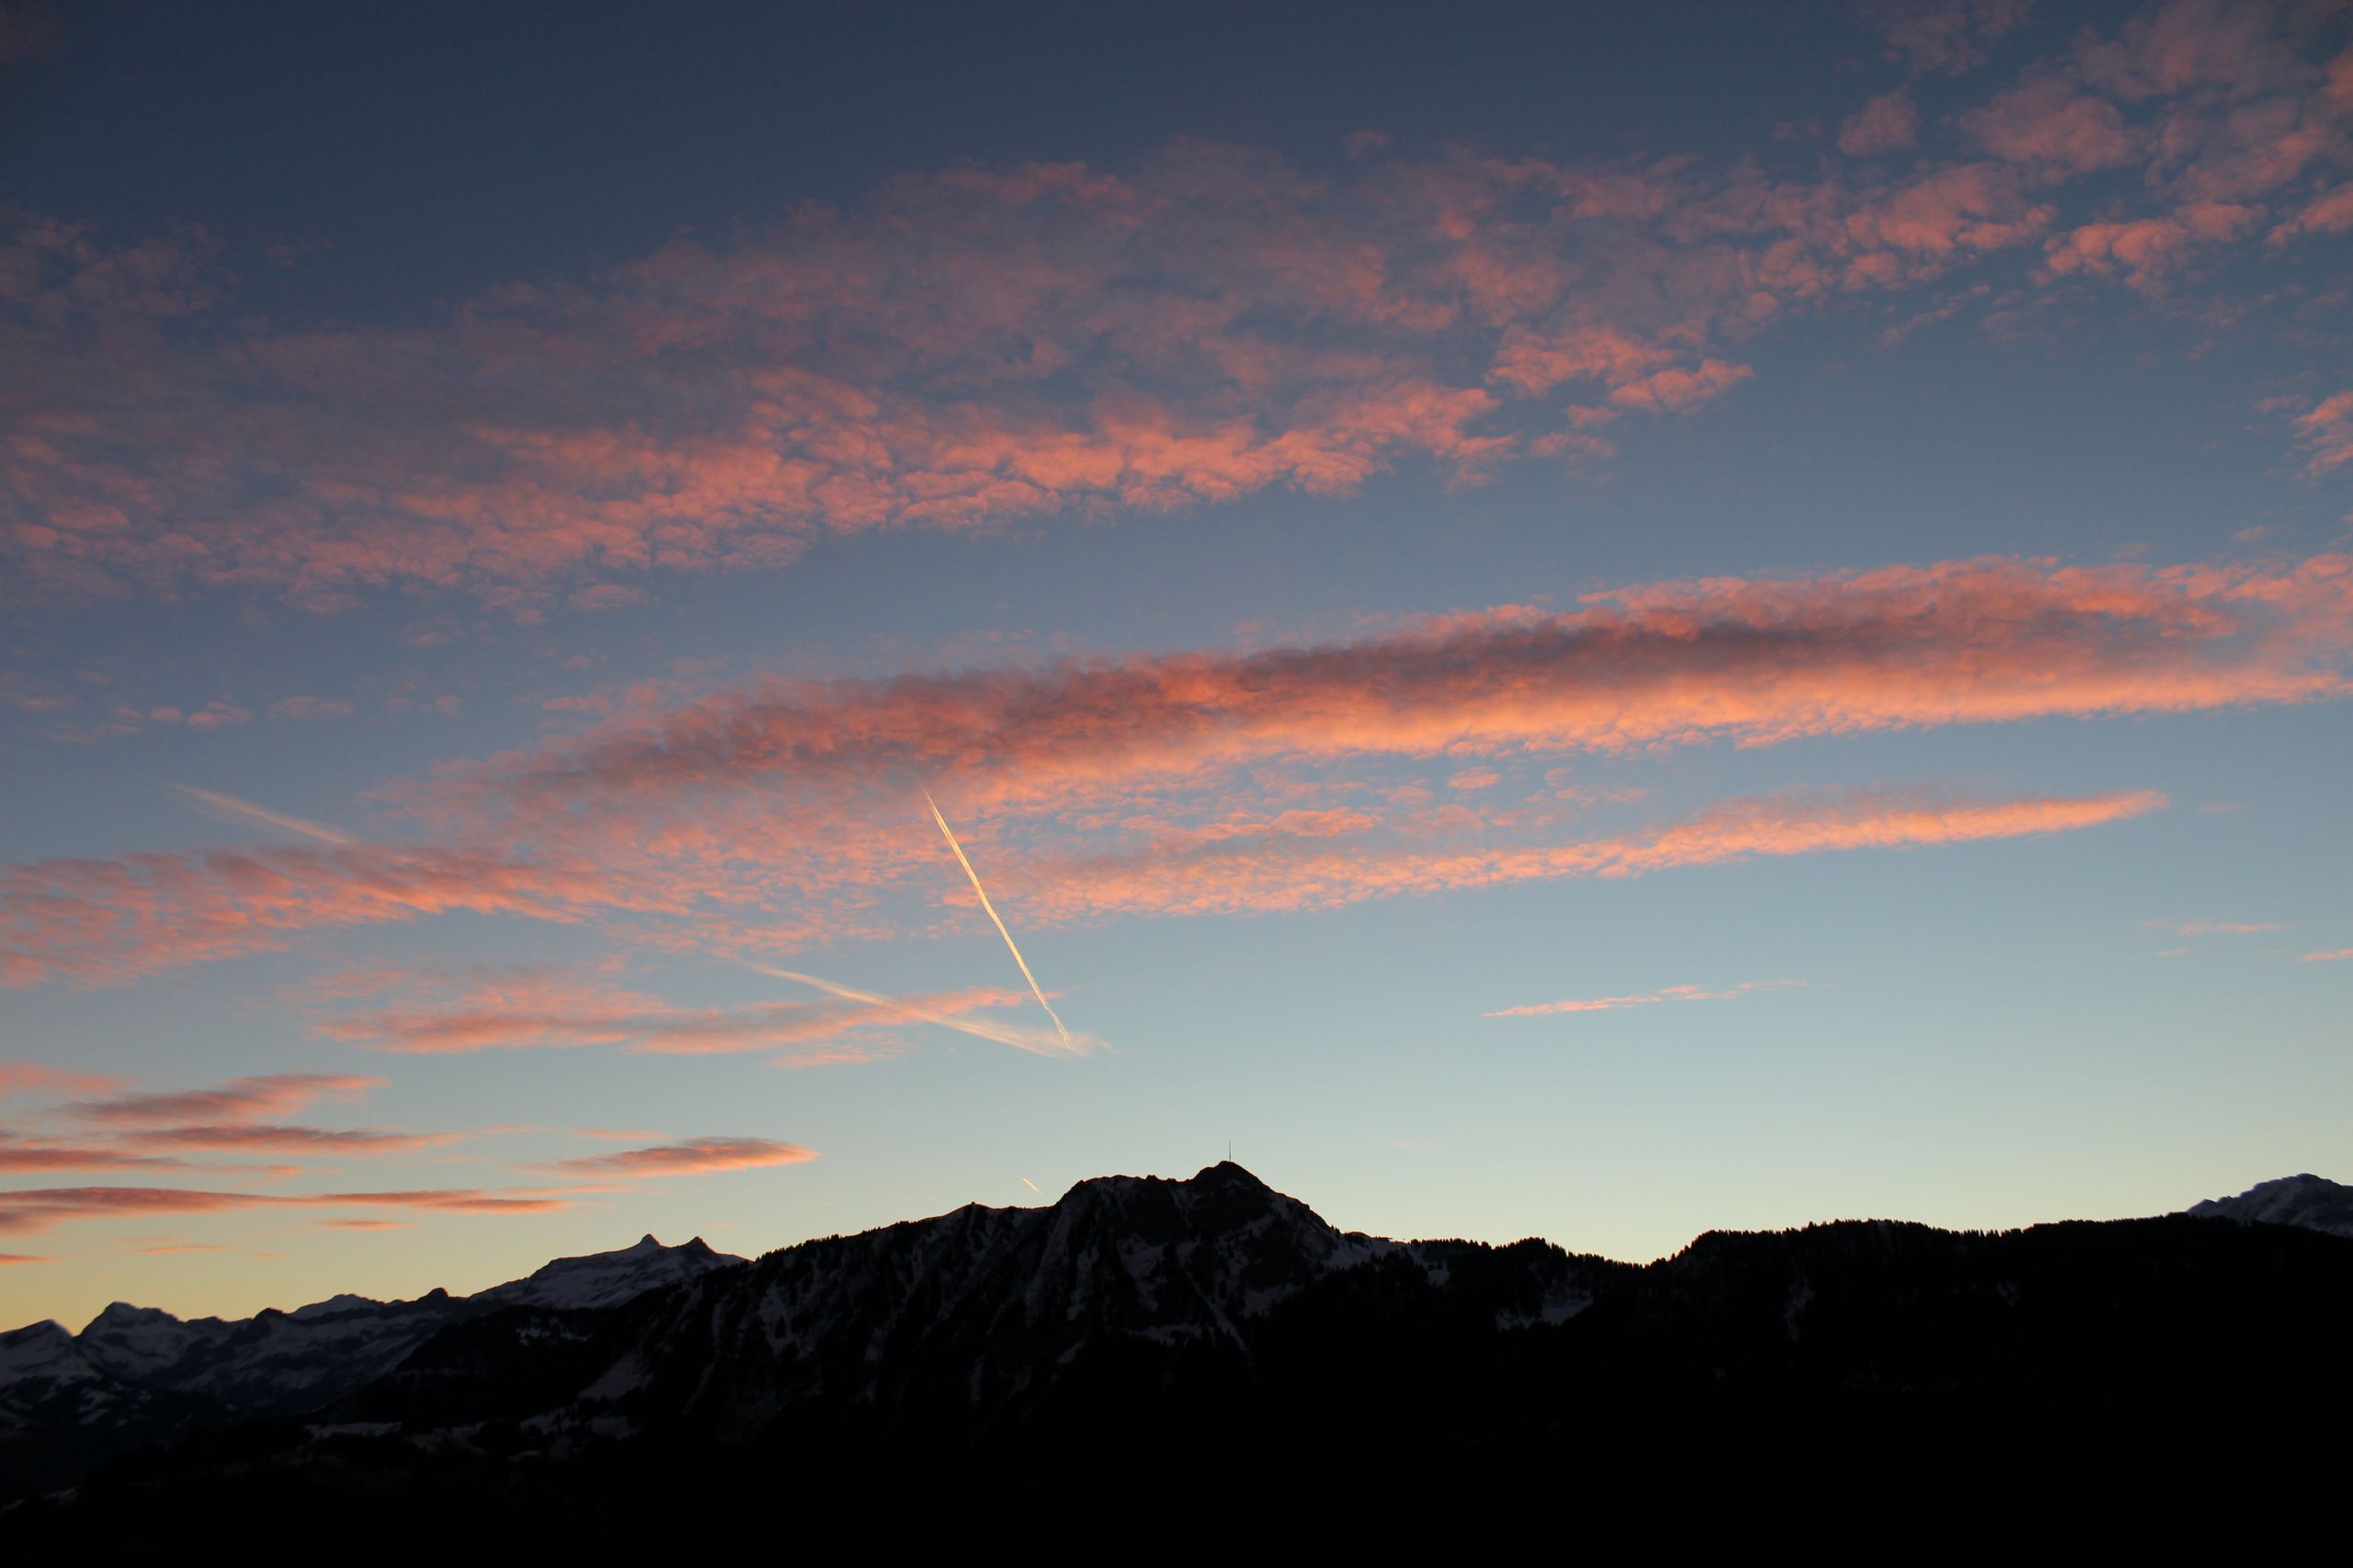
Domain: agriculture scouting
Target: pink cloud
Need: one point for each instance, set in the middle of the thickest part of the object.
(2047, 123)
(748, 820)
(2331, 212)
(1948, 35)
(37, 1208)
(102, 920)
(20, 1156)
(1269, 879)
(542, 1009)
(2145, 251)
(964, 347)
(36, 1078)
(310, 708)
(1679, 388)
(2180, 46)
(695, 1156)
(2338, 955)
(1752, 661)
(1887, 123)
(1643, 999)
(260, 1137)
(2327, 432)
(237, 1101)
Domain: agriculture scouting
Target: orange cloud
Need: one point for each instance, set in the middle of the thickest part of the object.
(239, 1100)
(20, 1156)
(2214, 928)
(695, 1156)
(100, 920)
(281, 1139)
(34, 1078)
(1752, 661)
(1643, 999)
(542, 1009)
(1273, 878)
(763, 818)
(36, 1209)
(2336, 956)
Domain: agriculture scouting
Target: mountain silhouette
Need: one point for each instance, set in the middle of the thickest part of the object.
(1212, 1352)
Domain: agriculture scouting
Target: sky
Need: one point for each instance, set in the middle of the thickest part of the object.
(1591, 621)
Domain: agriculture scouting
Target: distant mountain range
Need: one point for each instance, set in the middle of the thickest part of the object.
(1140, 1340)
(136, 1376)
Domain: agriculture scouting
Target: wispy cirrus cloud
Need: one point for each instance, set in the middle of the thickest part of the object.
(1752, 661)
(37, 1209)
(762, 817)
(1285, 877)
(268, 1139)
(1643, 999)
(2337, 955)
(102, 920)
(694, 1156)
(37, 1078)
(239, 1100)
(553, 1010)
(2214, 928)
(16, 1154)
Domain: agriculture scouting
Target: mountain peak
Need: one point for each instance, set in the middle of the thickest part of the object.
(122, 1314)
(1225, 1172)
(601, 1279)
(2308, 1201)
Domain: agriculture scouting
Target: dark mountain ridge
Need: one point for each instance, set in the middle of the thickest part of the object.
(138, 1376)
(1214, 1345)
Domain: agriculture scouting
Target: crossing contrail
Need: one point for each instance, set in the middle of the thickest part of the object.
(1030, 1040)
(1035, 989)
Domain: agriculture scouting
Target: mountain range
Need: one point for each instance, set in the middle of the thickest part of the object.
(138, 1376)
(1214, 1345)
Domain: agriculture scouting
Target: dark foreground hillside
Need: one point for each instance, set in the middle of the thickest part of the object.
(1190, 1366)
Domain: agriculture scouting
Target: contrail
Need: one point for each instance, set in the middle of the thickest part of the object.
(1033, 1041)
(1035, 989)
(1033, 1187)
(246, 810)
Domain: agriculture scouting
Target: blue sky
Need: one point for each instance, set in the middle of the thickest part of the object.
(1800, 558)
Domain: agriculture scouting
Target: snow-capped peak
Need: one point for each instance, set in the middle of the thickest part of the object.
(2313, 1203)
(606, 1278)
